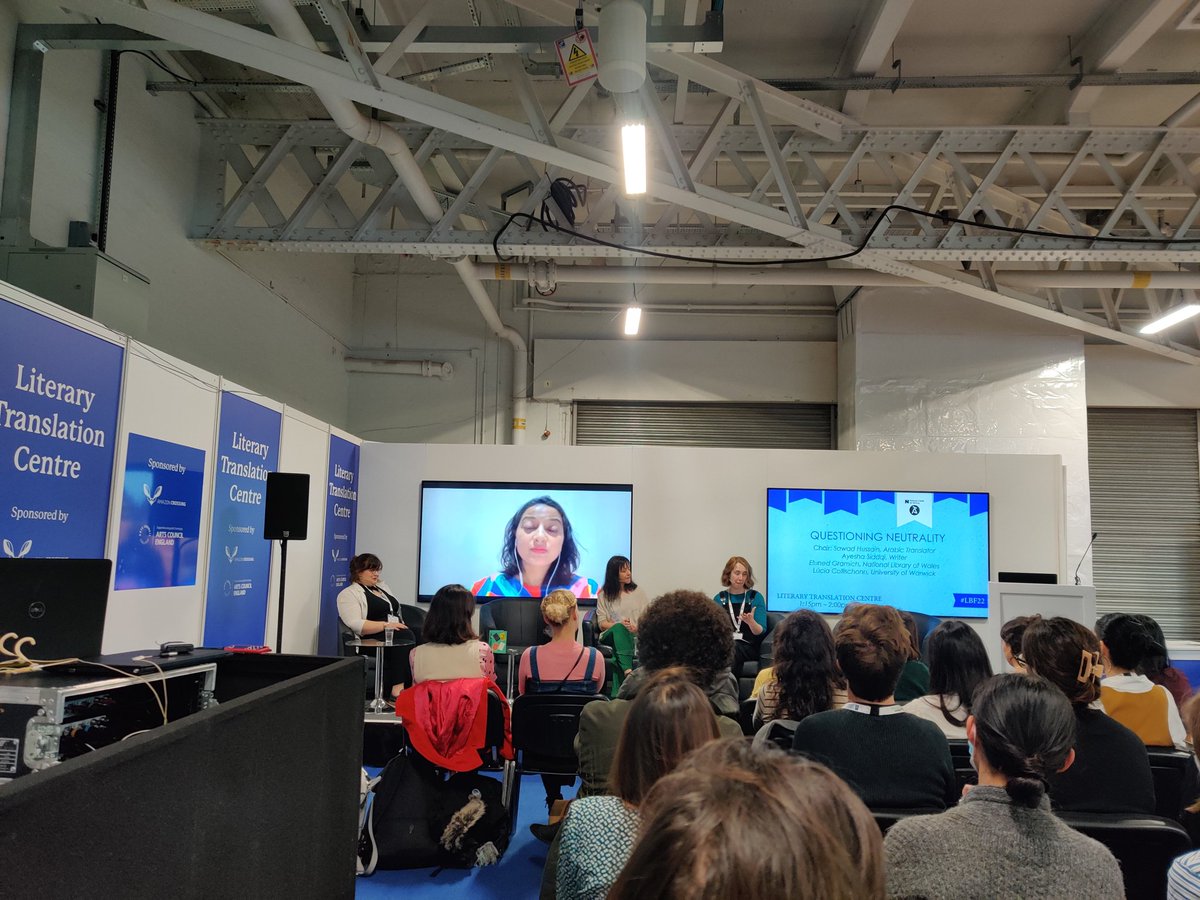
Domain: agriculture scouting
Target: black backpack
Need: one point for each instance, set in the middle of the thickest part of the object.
(412, 817)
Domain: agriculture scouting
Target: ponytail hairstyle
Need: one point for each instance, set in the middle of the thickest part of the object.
(1025, 729)
(1129, 641)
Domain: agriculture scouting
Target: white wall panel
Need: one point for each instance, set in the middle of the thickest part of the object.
(167, 399)
(1123, 376)
(304, 447)
(695, 507)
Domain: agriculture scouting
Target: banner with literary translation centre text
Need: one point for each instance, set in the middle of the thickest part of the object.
(239, 560)
(341, 514)
(60, 391)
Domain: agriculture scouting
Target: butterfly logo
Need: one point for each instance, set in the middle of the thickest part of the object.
(231, 555)
(150, 498)
(12, 553)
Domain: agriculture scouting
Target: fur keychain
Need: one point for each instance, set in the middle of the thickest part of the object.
(462, 822)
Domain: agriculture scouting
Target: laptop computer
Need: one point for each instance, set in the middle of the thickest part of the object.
(60, 603)
(142, 662)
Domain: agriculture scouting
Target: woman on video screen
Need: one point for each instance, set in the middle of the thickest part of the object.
(539, 555)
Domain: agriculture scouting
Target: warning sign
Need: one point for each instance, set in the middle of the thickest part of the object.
(577, 57)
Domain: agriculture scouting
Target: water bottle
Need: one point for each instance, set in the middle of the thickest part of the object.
(388, 634)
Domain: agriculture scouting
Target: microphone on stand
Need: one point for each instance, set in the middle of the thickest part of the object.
(1095, 534)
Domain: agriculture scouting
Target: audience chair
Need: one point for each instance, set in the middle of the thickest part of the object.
(746, 715)
(1143, 845)
(960, 755)
(780, 732)
(544, 727)
(886, 818)
(1176, 780)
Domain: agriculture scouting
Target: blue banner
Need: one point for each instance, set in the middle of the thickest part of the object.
(341, 514)
(239, 560)
(59, 393)
(160, 515)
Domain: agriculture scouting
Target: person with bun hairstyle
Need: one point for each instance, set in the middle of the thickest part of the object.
(1002, 840)
(738, 821)
(562, 664)
(1145, 708)
(1112, 770)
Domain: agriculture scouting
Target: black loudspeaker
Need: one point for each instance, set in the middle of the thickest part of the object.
(286, 516)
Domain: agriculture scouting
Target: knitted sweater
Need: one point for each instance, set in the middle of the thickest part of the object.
(989, 847)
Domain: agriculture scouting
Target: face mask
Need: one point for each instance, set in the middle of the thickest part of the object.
(971, 753)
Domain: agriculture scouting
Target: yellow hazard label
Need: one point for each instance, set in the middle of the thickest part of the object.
(579, 60)
(1141, 279)
(503, 272)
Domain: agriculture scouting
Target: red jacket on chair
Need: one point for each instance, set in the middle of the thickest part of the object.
(447, 721)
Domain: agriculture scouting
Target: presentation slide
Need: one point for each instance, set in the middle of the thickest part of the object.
(918, 551)
(465, 538)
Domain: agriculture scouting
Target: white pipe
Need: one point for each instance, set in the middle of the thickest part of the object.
(426, 368)
(285, 21)
(773, 275)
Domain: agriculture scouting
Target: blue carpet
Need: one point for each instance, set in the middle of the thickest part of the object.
(517, 875)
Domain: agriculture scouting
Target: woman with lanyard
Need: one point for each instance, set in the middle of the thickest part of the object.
(747, 611)
(368, 609)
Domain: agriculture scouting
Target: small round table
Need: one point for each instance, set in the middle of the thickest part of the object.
(377, 705)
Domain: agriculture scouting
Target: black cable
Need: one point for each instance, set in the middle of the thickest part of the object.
(175, 75)
(863, 245)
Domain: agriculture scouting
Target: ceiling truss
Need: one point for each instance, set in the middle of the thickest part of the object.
(771, 177)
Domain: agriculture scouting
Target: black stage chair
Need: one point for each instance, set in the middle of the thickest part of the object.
(1175, 780)
(544, 727)
(521, 617)
(1143, 845)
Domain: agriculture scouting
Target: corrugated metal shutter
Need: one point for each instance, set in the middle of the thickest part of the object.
(1146, 506)
(802, 426)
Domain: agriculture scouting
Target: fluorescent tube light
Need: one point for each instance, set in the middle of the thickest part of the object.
(633, 319)
(1176, 315)
(633, 152)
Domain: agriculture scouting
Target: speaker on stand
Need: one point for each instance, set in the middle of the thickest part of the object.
(285, 519)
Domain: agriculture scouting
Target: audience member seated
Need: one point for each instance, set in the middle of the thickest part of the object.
(1012, 633)
(1157, 666)
(892, 759)
(367, 607)
(682, 628)
(1145, 708)
(564, 664)
(619, 605)
(452, 649)
(670, 717)
(1111, 772)
(1183, 879)
(914, 677)
(958, 663)
(733, 821)
(1002, 840)
(805, 678)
